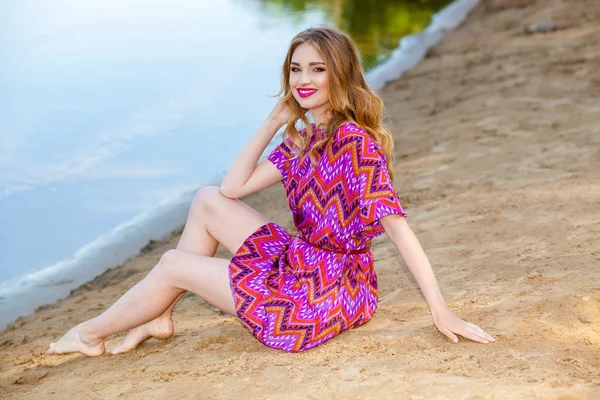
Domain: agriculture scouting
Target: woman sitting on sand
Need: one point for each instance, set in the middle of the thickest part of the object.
(291, 292)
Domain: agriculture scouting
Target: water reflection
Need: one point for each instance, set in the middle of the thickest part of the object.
(375, 25)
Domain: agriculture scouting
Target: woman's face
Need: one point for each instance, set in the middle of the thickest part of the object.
(308, 78)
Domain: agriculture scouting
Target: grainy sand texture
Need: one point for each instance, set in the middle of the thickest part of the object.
(498, 165)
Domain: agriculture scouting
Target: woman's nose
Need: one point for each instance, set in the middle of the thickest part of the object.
(304, 79)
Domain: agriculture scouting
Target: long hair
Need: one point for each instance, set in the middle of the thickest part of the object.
(350, 97)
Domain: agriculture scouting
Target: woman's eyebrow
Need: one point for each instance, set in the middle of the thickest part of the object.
(310, 64)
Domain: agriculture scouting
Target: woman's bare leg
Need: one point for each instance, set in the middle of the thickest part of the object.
(176, 272)
(213, 218)
(159, 328)
(196, 238)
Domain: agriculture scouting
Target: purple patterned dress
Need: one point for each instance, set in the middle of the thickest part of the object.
(294, 292)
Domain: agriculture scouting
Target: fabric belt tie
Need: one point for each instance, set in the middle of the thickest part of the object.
(357, 251)
(281, 264)
(347, 270)
(339, 251)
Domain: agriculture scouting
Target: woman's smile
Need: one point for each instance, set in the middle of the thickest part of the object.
(306, 92)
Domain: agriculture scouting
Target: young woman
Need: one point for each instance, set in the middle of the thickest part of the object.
(291, 292)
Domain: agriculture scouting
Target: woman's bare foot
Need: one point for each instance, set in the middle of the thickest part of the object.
(160, 328)
(76, 340)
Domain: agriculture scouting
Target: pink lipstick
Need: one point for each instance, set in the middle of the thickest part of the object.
(306, 92)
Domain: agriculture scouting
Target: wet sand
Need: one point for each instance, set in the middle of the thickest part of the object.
(497, 164)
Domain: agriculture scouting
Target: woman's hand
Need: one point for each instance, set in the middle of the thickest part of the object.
(450, 324)
(280, 113)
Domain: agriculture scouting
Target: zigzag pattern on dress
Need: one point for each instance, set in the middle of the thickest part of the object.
(296, 292)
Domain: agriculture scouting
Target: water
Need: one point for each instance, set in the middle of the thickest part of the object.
(112, 114)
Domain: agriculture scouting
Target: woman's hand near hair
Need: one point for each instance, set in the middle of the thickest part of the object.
(246, 175)
(280, 113)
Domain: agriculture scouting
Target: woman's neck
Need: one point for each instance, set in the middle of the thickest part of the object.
(321, 115)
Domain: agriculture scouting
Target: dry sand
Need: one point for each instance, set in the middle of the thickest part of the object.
(498, 165)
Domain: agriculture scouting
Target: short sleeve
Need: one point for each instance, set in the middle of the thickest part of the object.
(378, 197)
(280, 157)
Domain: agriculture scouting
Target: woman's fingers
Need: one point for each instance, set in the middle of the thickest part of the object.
(465, 331)
(474, 335)
(449, 334)
(488, 336)
(481, 331)
(451, 325)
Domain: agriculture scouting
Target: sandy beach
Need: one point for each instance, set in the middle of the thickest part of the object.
(497, 164)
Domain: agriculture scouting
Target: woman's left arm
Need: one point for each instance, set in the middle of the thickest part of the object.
(446, 321)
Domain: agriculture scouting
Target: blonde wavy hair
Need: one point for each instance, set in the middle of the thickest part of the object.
(350, 97)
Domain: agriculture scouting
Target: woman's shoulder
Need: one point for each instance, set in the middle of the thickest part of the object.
(353, 137)
(351, 132)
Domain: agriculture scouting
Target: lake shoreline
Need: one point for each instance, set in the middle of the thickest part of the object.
(496, 146)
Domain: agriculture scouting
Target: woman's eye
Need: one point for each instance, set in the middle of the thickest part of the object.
(296, 69)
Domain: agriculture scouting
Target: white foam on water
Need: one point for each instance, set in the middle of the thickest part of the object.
(412, 48)
(21, 295)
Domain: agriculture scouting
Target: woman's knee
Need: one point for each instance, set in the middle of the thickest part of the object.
(172, 269)
(206, 199)
(167, 265)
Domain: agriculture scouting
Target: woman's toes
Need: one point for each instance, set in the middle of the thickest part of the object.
(133, 338)
(72, 342)
(160, 328)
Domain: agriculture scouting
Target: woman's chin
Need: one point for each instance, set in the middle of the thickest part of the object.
(311, 105)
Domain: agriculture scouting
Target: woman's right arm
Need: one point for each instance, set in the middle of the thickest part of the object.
(245, 174)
